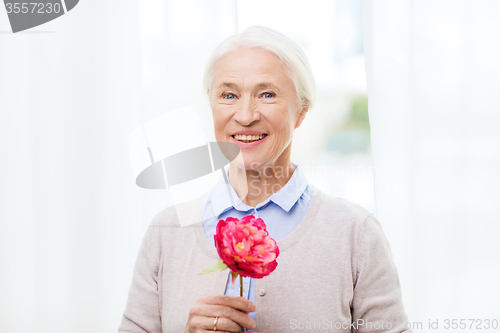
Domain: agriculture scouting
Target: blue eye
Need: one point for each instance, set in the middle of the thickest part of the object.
(229, 96)
(268, 95)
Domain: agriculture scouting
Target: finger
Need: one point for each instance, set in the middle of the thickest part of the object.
(223, 324)
(209, 310)
(239, 303)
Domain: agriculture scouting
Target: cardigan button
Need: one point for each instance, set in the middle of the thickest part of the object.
(262, 292)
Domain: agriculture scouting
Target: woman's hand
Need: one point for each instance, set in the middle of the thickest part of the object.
(232, 312)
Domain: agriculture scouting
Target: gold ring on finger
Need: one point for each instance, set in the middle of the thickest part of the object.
(215, 323)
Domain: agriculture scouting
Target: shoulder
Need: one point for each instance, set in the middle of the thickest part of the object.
(173, 221)
(353, 227)
(167, 227)
(339, 209)
(348, 215)
(337, 220)
(184, 213)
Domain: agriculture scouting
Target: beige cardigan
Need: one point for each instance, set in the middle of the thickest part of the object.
(335, 273)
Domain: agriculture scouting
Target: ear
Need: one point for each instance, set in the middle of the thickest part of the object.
(302, 115)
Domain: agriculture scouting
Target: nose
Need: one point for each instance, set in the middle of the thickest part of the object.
(247, 112)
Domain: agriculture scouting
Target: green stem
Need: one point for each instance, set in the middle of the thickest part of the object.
(241, 285)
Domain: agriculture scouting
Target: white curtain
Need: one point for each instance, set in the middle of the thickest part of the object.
(71, 92)
(433, 79)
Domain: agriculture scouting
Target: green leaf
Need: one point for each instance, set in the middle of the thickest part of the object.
(220, 266)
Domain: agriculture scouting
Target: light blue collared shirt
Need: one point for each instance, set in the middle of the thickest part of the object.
(282, 213)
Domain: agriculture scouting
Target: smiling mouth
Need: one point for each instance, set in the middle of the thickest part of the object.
(249, 138)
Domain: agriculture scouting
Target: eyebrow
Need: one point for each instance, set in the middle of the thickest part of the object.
(260, 85)
(226, 84)
(267, 85)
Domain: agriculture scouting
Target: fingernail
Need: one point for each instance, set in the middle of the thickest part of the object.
(252, 307)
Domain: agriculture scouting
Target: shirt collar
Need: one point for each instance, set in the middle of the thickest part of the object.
(223, 196)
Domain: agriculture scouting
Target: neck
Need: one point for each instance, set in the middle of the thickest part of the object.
(261, 183)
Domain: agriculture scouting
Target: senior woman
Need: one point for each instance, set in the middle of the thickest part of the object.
(335, 269)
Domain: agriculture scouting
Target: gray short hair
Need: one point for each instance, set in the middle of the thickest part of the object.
(289, 53)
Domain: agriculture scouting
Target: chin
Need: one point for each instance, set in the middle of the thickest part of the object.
(243, 164)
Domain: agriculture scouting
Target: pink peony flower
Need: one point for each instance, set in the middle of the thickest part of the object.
(245, 246)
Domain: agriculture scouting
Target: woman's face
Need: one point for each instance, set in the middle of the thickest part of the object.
(254, 105)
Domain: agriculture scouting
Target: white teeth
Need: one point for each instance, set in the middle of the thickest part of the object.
(241, 137)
